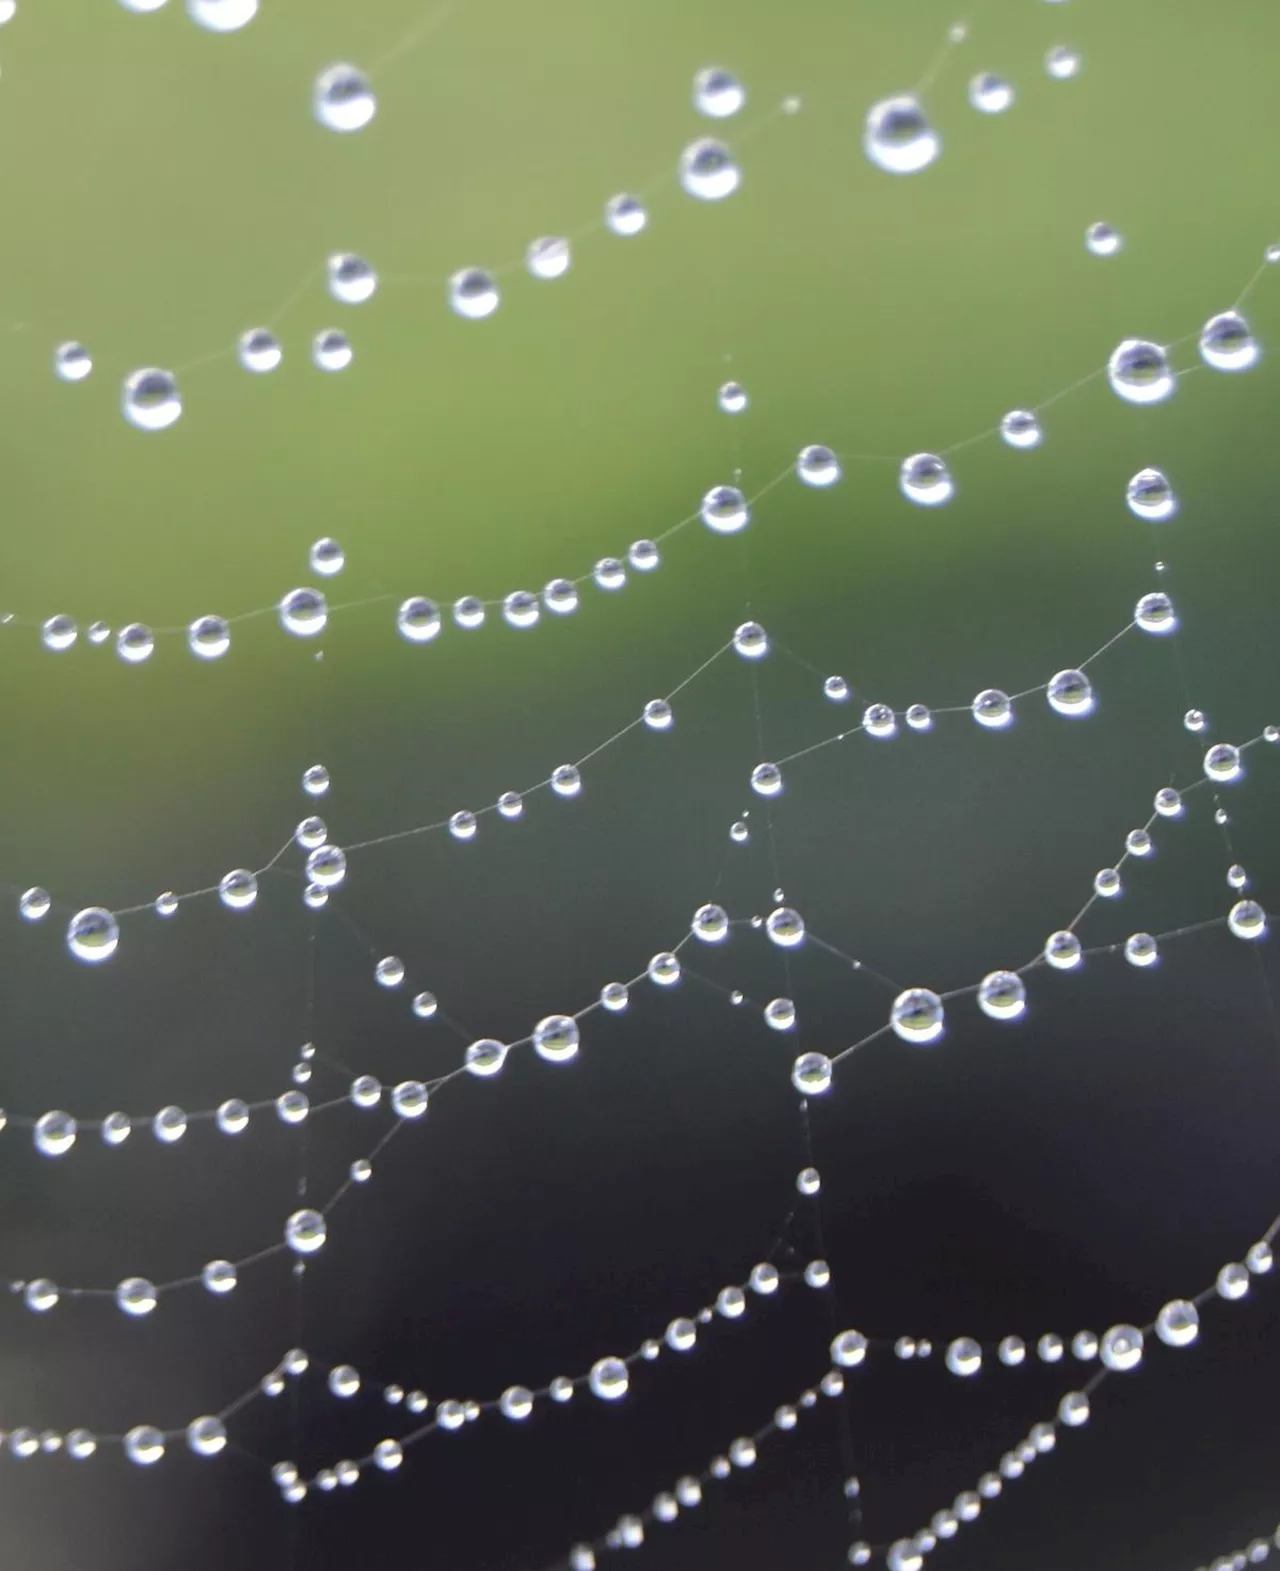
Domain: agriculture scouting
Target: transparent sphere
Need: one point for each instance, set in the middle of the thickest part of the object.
(556, 1038)
(80, 1444)
(724, 509)
(548, 257)
(34, 904)
(1222, 762)
(919, 717)
(1062, 950)
(58, 633)
(658, 715)
(207, 1436)
(388, 1455)
(1236, 876)
(473, 293)
(811, 1074)
(40, 1295)
(209, 637)
(879, 720)
(707, 170)
(238, 889)
(561, 596)
(1050, 1348)
(342, 98)
(468, 612)
(135, 643)
(1102, 240)
(1002, 995)
(462, 825)
(780, 1014)
(848, 1349)
(1020, 428)
(169, 1125)
(766, 780)
(351, 279)
(409, 1099)
(664, 969)
(1167, 802)
(1106, 883)
(1260, 1258)
(836, 689)
(136, 1296)
(222, 16)
(1121, 1347)
(785, 927)
(990, 93)
(520, 609)
(1062, 62)
(326, 867)
(1139, 372)
(897, 136)
(54, 1133)
(1084, 1346)
(516, 1402)
(1073, 1410)
(486, 1057)
(150, 399)
(389, 971)
(904, 1555)
(964, 1356)
(93, 935)
(609, 1379)
(1178, 1323)
(1070, 693)
(1247, 919)
(717, 93)
(710, 924)
(1233, 1281)
(72, 362)
(1226, 343)
(566, 780)
(609, 573)
(992, 709)
(917, 1015)
(1154, 614)
(331, 350)
(925, 479)
(615, 996)
(218, 1276)
(1150, 495)
(625, 214)
(315, 780)
(144, 1445)
(1141, 949)
(344, 1380)
(818, 466)
(326, 557)
(232, 1116)
(1194, 720)
(681, 1335)
(732, 398)
(305, 1231)
(303, 612)
(258, 350)
(643, 556)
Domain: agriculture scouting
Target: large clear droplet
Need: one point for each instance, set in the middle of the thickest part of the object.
(1226, 343)
(898, 137)
(717, 93)
(707, 170)
(150, 399)
(93, 934)
(473, 293)
(342, 98)
(1139, 372)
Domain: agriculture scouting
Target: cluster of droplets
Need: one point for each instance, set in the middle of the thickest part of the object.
(608, 1379)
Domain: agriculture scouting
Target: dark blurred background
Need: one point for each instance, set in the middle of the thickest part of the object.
(166, 188)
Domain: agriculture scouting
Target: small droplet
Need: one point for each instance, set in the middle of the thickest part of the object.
(258, 350)
(707, 170)
(72, 362)
(897, 136)
(342, 98)
(1139, 372)
(331, 350)
(1150, 495)
(1020, 428)
(925, 479)
(473, 293)
(717, 93)
(732, 398)
(990, 93)
(1226, 343)
(548, 257)
(1062, 62)
(351, 279)
(150, 399)
(1102, 240)
(625, 214)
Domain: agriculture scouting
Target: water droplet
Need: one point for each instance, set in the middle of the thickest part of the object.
(304, 612)
(1062, 62)
(897, 137)
(1140, 949)
(305, 1231)
(992, 709)
(724, 510)
(751, 641)
(331, 350)
(1150, 495)
(418, 619)
(150, 399)
(990, 93)
(520, 608)
(1002, 995)
(351, 279)
(1226, 343)
(609, 1379)
(1062, 951)
(1139, 372)
(1155, 614)
(1020, 428)
(917, 1015)
(625, 214)
(342, 98)
(258, 350)
(33, 904)
(93, 934)
(473, 293)
(548, 257)
(926, 480)
(732, 398)
(72, 362)
(1070, 693)
(144, 1445)
(766, 780)
(717, 93)
(209, 637)
(1102, 240)
(238, 889)
(707, 170)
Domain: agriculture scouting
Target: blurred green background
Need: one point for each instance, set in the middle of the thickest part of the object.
(166, 189)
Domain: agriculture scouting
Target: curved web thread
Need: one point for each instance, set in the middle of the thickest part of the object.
(842, 737)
